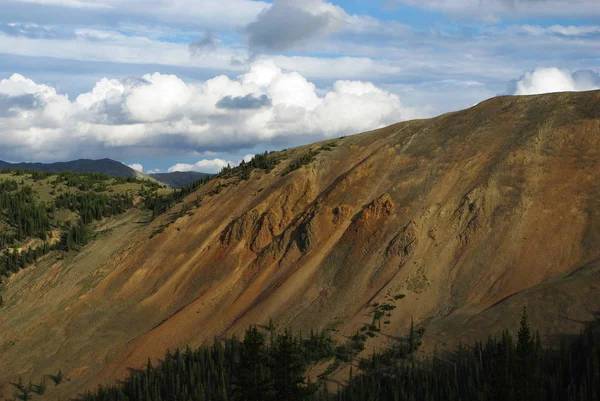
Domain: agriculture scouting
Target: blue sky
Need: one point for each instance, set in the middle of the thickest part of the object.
(187, 84)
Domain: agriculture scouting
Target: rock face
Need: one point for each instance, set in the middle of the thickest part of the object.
(470, 215)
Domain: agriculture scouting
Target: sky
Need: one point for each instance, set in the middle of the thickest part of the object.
(176, 85)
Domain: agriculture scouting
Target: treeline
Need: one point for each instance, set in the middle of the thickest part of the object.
(13, 260)
(262, 366)
(503, 369)
(98, 182)
(265, 366)
(262, 161)
(21, 212)
(160, 203)
(74, 235)
(22, 217)
(92, 206)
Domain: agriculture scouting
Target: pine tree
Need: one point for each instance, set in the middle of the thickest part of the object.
(525, 359)
(251, 382)
(288, 369)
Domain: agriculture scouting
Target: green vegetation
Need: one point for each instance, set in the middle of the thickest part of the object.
(303, 160)
(91, 206)
(41, 212)
(159, 203)
(263, 366)
(22, 212)
(266, 366)
(265, 161)
(13, 260)
(328, 146)
(499, 369)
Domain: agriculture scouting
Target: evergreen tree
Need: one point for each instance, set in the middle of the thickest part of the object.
(251, 376)
(287, 369)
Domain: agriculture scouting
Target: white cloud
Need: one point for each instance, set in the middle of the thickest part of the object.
(164, 114)
(69, 3)
(552, 79)
(214, 13)
(203, 166)
(492, 9)
(570, 30)
(137, 167)
(209, 166)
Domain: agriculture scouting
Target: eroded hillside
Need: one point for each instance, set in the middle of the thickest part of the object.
(470, 215)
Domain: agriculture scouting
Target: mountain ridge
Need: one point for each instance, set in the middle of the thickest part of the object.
(109, 167)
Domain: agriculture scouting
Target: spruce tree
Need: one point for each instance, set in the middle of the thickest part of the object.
(287, 369)
(251, 382)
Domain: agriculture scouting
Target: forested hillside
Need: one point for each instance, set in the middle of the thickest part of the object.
(46, 211)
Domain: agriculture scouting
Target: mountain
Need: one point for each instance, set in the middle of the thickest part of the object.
(106, 166)
(179, 179)
(454, 223)
(109, 167)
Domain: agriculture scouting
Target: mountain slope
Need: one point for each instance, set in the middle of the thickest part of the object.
(470, 215)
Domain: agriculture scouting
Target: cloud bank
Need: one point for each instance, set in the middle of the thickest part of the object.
(162, 114)
(547, 80)
(511, 8)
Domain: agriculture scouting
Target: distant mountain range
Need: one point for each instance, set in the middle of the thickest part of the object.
(112, 168)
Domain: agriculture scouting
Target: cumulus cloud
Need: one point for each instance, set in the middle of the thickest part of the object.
(203, 166)
(137, 167)
(287, 23)
(162, 114)
(10, 105)
(547, 80)
(247, 102)
(209, 166)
